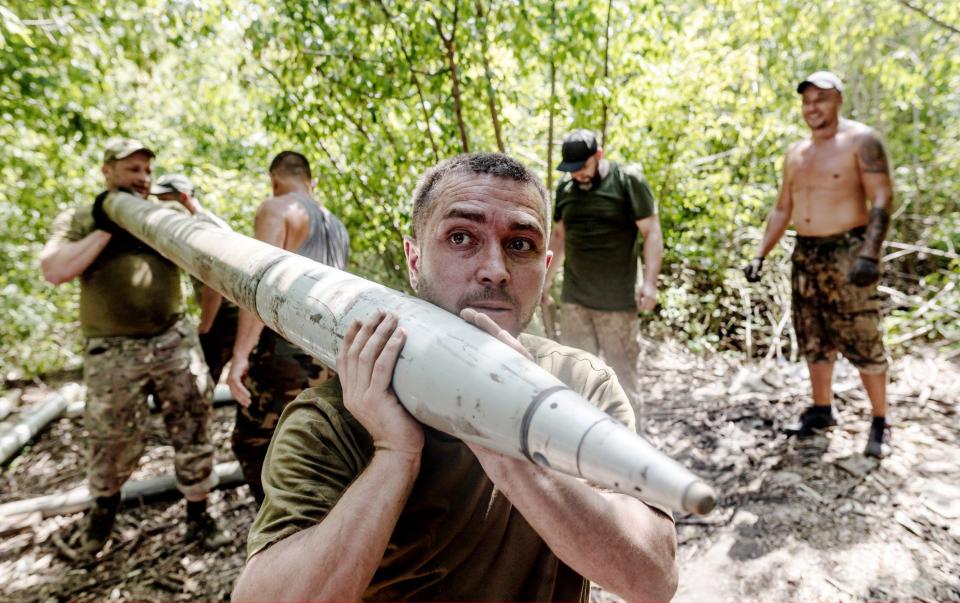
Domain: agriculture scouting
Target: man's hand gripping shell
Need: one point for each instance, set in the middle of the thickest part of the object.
(365, 365)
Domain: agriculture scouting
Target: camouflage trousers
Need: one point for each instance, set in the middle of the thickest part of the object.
(831, 314)
(279, 371)
(613, 336)
(120, 372)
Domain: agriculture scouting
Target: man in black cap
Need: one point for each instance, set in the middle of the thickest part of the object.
(599, 211)
(828, 180)
(218, 315)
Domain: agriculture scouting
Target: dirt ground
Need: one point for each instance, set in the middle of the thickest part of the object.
(808, 520)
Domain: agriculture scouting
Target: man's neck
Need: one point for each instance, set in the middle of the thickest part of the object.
(293, 187)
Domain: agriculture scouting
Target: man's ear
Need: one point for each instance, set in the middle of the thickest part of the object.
(599, 154)
(105, 170)
(412, 251)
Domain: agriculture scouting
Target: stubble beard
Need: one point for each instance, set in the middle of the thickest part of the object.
(426, 292)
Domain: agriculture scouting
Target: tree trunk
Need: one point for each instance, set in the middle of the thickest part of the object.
(552, 108)
(414, 79)
(450, 45)
(606, 74)
(488, 75)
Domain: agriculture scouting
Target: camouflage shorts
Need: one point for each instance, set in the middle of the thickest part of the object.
(279, 371)
(830, 314)
(611, 335)
(120, 372)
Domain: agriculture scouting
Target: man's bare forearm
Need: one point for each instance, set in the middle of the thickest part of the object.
(876, 232)
(878, 187)
(210, 300)
(249, 328)
(611, 539)
(336, 559)
(65, 261)
(777, 224)
(652, 256)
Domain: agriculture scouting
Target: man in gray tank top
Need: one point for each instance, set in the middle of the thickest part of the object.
(267, 372)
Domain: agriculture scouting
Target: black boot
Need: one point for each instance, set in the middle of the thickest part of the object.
(812, 420)
(203, 528)
(879, 435)
(94, 532)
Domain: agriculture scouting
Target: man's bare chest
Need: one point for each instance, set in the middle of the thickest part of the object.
(826, 167)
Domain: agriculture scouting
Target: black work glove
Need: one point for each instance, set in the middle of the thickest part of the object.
(865, 271)
(100, 218)
(752, 270)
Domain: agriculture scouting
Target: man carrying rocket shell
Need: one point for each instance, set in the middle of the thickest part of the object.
(362, 501)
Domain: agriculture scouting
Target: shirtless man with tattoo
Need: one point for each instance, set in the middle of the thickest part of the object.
(838, 194)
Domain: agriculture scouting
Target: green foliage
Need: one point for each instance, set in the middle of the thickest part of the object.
(73, 76)
(700, 93)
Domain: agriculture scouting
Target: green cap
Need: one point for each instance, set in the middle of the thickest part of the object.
(121, 148)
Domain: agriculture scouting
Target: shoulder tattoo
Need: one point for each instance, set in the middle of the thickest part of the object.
(872, 155)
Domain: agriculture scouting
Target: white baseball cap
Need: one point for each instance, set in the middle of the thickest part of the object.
(824, 80)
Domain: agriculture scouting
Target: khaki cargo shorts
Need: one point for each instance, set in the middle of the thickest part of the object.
(119, 373)
(831, 315)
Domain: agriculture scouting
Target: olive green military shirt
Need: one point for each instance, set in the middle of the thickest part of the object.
(129, 289)
(458, 538)
(600, 253)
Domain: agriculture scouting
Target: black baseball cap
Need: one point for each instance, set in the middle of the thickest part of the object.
(578, 146)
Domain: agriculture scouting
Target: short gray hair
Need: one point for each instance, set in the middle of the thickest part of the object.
(494, 164)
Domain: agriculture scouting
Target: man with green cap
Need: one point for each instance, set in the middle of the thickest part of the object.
(599, 212)
(218, 315)
(138, 342)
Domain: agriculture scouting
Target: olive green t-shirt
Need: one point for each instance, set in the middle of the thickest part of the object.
(600, 254)
(129, 289)
(458, 538)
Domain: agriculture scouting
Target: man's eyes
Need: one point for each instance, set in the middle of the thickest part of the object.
(460, 238)
(521, 245)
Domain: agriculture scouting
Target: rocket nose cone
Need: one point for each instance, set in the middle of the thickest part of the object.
(699, 498)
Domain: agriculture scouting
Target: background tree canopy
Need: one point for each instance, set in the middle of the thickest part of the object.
(700, 93)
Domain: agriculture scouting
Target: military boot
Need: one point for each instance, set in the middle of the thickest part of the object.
(84, 543)
(879, 437)
(813, 419)
(203, 528)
